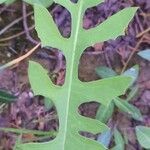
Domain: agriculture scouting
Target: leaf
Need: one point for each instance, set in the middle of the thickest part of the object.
(88, 3)
(73, 93)
(145, 54)
(2, 1)
(6, 97)
(18, 141)
(133, 73)
(126, 107)
(105, 112)
(105, 138)
(54, 37)
(26, 131)
(105, 72)
(48, 103)
(8, 2)
(143, 136)
(119, 141)
(133, 93)
(45, 3)
(113, 27)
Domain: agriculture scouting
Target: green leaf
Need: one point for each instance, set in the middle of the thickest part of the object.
(145, 54)
(73, 93)
(105, 112)
(119, 141)
(6, 97)
(48, 103)
(2, 1)
(132, 93)
(143, 136)
(133, 73)
(18, 141)
(45, 3)
(88, 3)
(26, 131)
(8, 2)
(105, 72)
(126, 107)
(113, 27)
(54, 37)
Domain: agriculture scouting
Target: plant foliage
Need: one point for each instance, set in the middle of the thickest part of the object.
(73, 93)
(5, 97)
(45, 3)
(143, 136)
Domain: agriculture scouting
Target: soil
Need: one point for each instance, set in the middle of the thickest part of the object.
(29, 111)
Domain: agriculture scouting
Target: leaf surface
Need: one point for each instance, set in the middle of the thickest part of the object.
(119, 141)
(5, 97)
(133, 72)
(45, 3)
(105, 72)
(125, 106)
(104, 113)
(73, 93)
(2, 1)
(143, 136)
(110, 29)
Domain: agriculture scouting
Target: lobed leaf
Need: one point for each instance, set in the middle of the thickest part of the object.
(73, 93)
(89, 3)
(50, 36)
(45, 3)
(113, 27)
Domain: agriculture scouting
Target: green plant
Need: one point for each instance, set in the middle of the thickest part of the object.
(105, 113)
(143, 136)
(143, 132)
(73, 93)
(68, 98)
(45, 3)
(5, 97)
(119, 141)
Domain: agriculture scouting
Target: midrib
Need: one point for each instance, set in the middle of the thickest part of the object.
(71, 71)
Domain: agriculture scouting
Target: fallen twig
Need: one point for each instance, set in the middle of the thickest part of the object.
(15, 35)
(143, 32)
(25, 25)
(13, 23)
(15, 61)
